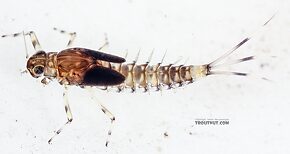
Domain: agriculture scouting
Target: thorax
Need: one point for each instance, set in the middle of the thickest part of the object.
(50, 69)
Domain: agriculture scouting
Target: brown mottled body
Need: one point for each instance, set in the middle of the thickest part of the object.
(73, 67)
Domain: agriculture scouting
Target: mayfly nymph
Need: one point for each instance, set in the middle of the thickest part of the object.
(86, 68)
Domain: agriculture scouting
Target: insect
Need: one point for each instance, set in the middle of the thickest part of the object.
(87, 68)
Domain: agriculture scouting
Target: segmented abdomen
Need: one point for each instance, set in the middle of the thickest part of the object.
(146, 76)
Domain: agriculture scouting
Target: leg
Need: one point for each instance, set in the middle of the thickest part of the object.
(71, 34)
(105, 44)
(105, 110)
(68, 114)
(33, 38)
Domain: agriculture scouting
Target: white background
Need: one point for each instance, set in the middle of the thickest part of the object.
(201, 30)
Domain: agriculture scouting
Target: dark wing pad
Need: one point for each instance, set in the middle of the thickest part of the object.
(102, 76)
(103, 56)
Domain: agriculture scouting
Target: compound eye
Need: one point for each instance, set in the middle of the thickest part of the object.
(38, 70)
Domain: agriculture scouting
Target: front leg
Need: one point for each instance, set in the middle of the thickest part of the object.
(33, 38)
